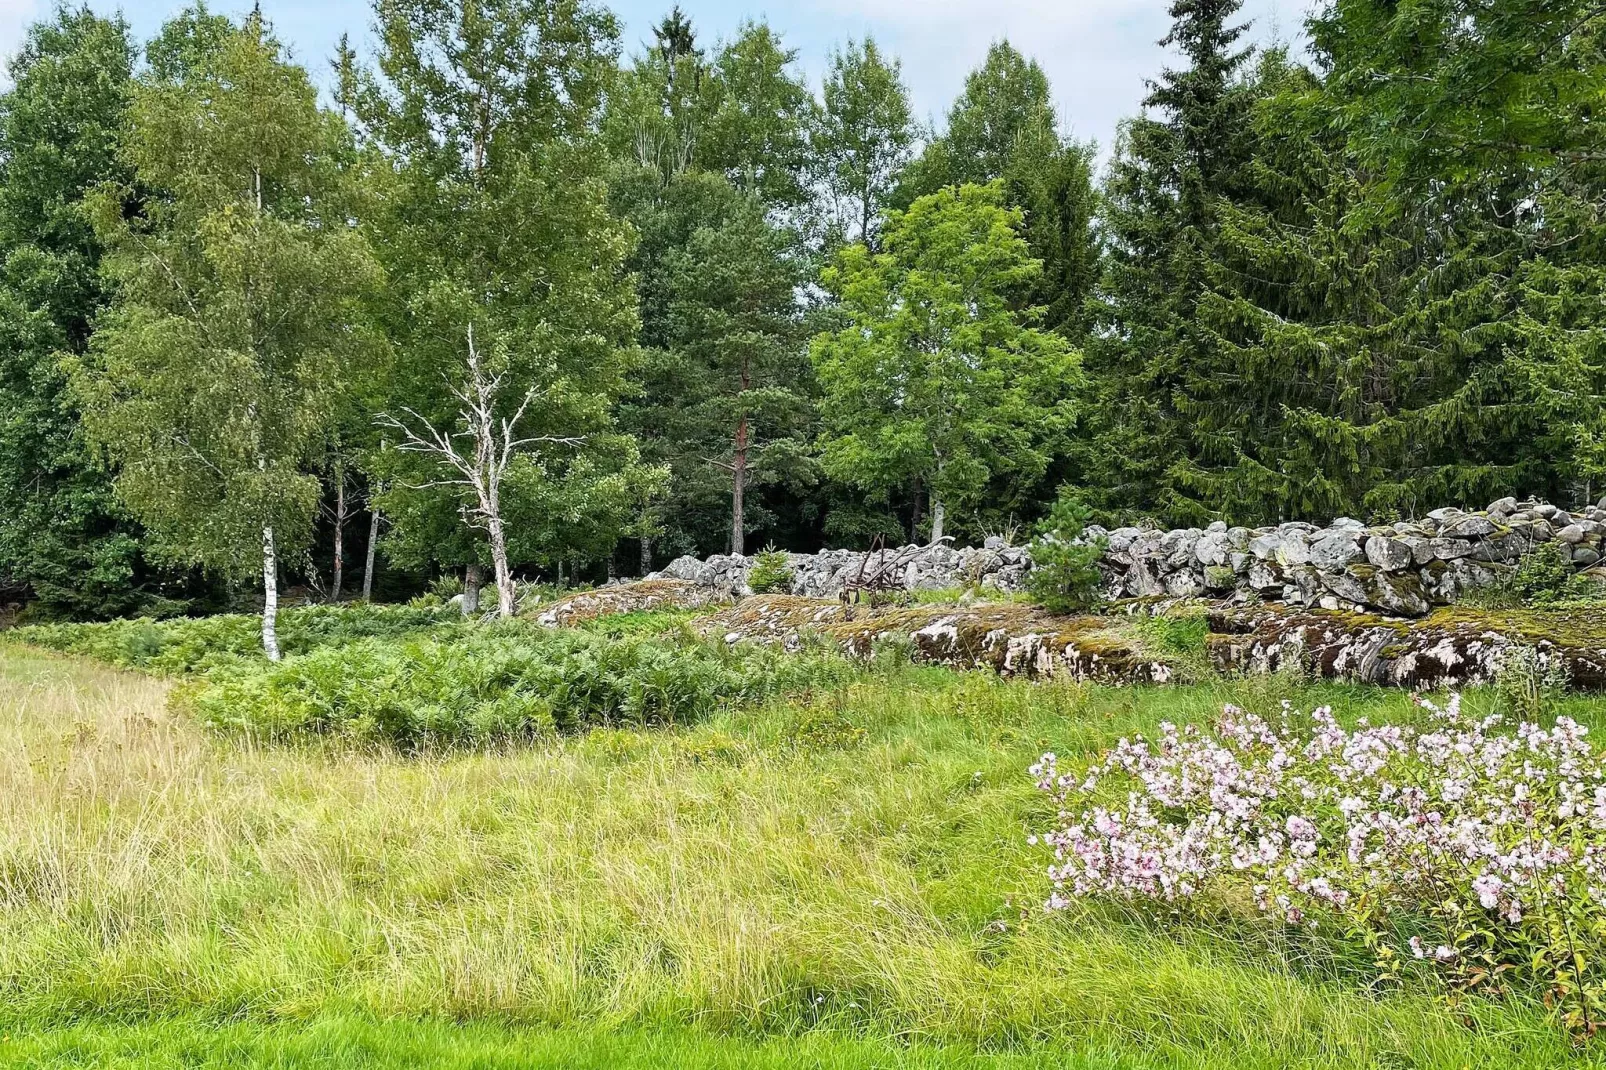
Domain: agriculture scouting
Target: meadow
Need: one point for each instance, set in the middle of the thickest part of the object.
(835, 873)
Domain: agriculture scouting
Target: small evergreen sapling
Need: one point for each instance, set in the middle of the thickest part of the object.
(1065, 575)
(772, 572)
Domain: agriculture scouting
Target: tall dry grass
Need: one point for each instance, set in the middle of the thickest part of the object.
(853, 860)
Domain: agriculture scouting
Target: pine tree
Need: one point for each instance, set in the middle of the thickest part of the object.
(737, 333)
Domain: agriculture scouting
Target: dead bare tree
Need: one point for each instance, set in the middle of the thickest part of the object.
(479, 453)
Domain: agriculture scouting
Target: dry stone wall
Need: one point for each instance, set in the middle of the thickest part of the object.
(1401, 569)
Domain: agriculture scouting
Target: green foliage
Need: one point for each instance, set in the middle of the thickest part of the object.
(1176, 633)
(736, 333)
(187, 645)
(1174, 166)
(1545, 576)
(488, 114)
(212, 377)
(936, 378)
(863, 138)
(825, 726)
(1003, 127)
(1064, 577)
(63, 537)
(758, 137)
(771, 572)
(488, 685)
(1529, 684)
(726, 392)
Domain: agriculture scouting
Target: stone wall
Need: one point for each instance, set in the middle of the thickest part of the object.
(1402, 569)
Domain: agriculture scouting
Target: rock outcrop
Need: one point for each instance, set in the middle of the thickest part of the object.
(1401, 569)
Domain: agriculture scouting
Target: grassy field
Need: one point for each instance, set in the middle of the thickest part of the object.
(837, 879)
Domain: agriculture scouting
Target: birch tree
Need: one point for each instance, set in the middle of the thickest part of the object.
(212, 378)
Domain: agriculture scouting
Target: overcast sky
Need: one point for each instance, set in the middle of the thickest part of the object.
(1097, 52)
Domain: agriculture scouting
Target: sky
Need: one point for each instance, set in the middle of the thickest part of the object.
(1097, 53)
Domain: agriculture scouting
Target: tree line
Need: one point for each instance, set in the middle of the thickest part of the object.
(508, 300)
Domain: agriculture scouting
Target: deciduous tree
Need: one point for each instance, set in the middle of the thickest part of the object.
(863, 138)
(64, 539)
(212, 377)
(498, 220)
(936, 376)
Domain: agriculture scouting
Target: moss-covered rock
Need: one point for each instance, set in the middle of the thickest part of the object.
(635, 597)
(1010, 638)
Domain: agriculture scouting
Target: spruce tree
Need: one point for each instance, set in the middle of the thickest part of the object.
(1173, 167)
(1485, 115)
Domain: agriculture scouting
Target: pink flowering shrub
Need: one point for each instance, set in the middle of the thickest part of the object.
(1476, 854)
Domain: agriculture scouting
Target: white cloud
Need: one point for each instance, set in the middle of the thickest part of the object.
(15, 15)
(1097, 53)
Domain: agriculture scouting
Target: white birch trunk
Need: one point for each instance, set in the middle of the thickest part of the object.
(270, 596)
(373, 543)
(937, 513)
(340, 536)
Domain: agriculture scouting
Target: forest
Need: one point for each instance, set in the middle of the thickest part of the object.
(511, 299)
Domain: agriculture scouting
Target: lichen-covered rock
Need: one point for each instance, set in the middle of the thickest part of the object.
(1013, 640)
(1388, 554)
(1336, 549)
(1450, 648)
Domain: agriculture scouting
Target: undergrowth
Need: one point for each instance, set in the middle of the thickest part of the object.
(500, 683)
(181, 645)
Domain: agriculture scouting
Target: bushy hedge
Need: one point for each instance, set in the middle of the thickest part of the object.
(195, 644)
(499, 684)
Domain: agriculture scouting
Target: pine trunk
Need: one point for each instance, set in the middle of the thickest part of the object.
(473, 580)
(739, 486)
(270, 596)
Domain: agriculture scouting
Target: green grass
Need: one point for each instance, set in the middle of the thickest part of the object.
(838, 878)
(352, 1043)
